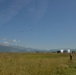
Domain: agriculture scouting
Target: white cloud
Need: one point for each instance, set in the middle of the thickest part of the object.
(14, 41)
(5, 43)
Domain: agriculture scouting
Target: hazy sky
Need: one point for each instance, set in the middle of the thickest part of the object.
(41, 24)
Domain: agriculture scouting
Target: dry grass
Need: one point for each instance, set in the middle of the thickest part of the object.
(37, 64)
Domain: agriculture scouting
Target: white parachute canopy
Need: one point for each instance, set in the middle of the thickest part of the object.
(62, 50)
(68, 50)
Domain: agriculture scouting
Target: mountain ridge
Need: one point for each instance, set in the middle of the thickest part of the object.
(24, 49)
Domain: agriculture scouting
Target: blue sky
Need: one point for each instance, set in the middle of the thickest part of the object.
(41, 24)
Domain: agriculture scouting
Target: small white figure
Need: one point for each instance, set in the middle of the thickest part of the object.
(62, 50)
(68, 50)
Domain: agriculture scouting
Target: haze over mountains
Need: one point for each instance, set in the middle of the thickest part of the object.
(18, 49)
(23, 49)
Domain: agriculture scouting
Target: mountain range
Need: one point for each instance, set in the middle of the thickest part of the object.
(18, 49)
(24, 49)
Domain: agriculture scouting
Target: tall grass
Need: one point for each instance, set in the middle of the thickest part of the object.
(37, 64)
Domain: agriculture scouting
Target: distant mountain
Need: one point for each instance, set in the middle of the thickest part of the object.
(18, 49)
(8, 49)
(23, 49)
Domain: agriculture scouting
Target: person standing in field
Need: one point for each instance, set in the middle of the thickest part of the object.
(70, 56)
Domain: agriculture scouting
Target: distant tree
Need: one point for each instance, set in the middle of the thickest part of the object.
(58, 51)
(73, 51)
(37, 52)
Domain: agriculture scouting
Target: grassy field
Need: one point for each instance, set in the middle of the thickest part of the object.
(37, 64)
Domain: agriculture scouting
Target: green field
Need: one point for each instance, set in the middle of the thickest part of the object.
(37, 64)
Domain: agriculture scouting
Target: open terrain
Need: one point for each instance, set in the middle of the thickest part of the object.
(37, 64)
